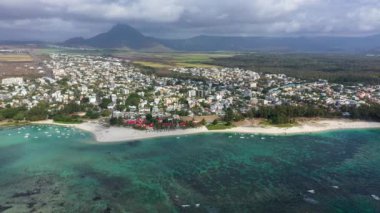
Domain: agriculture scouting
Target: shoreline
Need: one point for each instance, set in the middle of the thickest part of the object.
(103, 134)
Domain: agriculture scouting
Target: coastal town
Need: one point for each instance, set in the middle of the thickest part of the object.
(138, 99)
(188, 106)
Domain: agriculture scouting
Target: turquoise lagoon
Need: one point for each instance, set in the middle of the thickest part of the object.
(58, 169)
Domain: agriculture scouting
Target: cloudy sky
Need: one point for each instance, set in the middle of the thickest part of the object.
(57, 20)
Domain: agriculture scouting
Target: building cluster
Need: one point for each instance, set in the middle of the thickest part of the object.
(193, 91)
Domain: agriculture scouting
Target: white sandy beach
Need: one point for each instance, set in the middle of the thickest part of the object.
(307, 127)
(122, 134)
(119, 134)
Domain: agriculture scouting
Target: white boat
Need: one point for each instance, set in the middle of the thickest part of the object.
(310, 200)
(375, 197)
(311, 191)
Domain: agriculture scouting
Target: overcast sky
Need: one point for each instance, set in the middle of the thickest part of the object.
(57, 20)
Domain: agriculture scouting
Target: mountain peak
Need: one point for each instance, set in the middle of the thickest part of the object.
(119, 36)
(124, 29)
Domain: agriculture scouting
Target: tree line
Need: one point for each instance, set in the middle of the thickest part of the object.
(285, 114)
(334, 68)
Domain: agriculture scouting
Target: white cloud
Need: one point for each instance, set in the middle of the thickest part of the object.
(366, 18)
(144, 10)
(187, 17)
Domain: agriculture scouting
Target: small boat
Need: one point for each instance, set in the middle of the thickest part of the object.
(242, 137)
(197, 205)
(335, 187)
(312, 191)
(375, 197)
(310, 200)
(185, 206)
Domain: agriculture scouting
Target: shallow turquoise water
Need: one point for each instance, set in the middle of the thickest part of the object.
(56, 169)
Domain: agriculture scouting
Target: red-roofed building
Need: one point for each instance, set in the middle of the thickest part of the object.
(183, 124)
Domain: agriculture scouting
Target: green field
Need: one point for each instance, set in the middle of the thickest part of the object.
(156, 60)
(169, 60)
(155, 65)
(219, 126)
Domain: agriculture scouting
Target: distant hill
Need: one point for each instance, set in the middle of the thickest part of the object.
(75, 41)
(283, 44)
(125, 36)
(120, 36)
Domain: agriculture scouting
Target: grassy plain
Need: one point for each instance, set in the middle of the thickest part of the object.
(219, 126)
(152, 64)
(15, 58)
(332, 67)
(267, 123)
(169, 60)
(156, 60)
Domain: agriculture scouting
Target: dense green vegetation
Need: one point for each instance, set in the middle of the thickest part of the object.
(335, 68)
(365, 112)
(133, 100)
(285, 114)
(105, 102)
(39, 112)
(67, 119)
(226, 122)
(68, 114)
(116, 121)
(91, 114)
